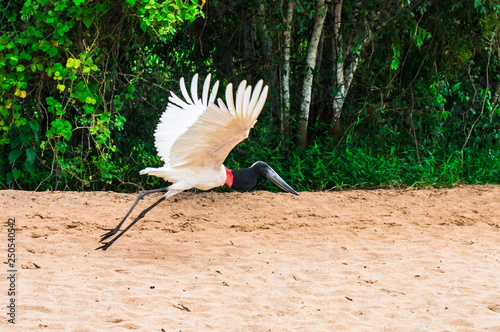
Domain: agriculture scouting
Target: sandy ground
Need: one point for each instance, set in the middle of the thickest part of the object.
(383, 260)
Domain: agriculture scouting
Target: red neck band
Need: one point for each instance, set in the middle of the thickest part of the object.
(229, 177)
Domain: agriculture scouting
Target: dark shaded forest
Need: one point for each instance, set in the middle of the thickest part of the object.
(362, 93)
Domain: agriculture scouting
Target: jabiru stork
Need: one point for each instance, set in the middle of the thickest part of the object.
(194, 137)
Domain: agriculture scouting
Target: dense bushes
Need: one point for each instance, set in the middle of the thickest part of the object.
(83, 84)
(67, 68)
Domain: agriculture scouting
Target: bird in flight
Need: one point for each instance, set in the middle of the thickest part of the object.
(194, 137)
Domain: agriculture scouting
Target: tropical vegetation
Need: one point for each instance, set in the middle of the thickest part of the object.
(362, 93)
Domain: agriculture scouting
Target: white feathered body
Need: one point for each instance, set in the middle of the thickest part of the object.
(194, 136)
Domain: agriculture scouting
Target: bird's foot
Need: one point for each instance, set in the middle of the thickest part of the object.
(110, 233)
(104, 246)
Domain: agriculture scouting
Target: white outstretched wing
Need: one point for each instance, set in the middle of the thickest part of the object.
(197, 133)
(180, 114)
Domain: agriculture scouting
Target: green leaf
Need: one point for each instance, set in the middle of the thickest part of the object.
(25, 56)
(15, 142)
(61, 146)
(53, 52)
(35, 126)
(89, 62)
(29, 167)
(73, 63)
(10, 177)
(118, 103)
(80, 86)
(45, 45)
(130, 91)
(98, 100)
(25, 140)
(67, 130)
(16, 173)
(88, 109)
(30, 156)
(90, 100)
(88, 20)
(13, 155)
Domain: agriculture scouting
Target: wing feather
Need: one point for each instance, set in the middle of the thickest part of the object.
(229, 98)
(208, 141)
(179, 115)
(213, 95)
(206, 87)
(239, 97)
(184, 91)
(194, 89)
(255, 95)
(246, 100)
(196, 132)
(260, 103)
(222, 105)
(177, 101)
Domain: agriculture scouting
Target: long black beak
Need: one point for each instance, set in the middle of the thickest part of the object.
(272, 176)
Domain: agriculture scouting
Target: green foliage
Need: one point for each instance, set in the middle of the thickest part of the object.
(60, 87)
(423, 111)
(83, 84)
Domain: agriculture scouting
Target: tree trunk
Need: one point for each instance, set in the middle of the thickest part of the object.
(340, 88)
(248, 41)
(264, 35)
(346, 55)
(285, 113)
(309, 72)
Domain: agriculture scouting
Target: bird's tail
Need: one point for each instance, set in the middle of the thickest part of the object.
(159, 172)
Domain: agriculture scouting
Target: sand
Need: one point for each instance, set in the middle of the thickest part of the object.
(378, 260)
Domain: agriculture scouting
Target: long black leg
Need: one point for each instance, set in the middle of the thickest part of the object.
(140, 216)
(113, 231)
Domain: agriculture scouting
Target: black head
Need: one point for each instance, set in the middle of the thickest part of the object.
(246, 178)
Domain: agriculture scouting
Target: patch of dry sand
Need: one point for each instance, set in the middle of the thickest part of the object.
(386, 260)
